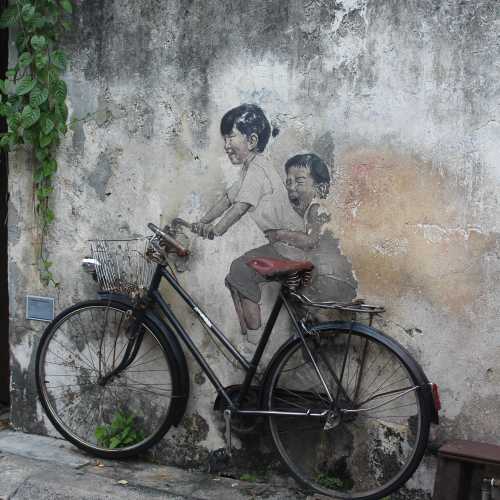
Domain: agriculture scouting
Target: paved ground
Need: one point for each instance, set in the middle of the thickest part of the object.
(38, 468)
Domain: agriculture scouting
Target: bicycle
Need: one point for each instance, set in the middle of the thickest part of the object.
(347, 407)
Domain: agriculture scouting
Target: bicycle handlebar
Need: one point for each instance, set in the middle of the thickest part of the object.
(181, 250)
(192, 227)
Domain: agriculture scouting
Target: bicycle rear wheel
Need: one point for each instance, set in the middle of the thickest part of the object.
(369, 443)
(116, 418)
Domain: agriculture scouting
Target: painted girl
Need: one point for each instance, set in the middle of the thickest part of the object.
(259, 191)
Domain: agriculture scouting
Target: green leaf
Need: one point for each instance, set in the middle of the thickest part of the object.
(28, 12)
(124, 433)
(38, 176)
(4, 140)
(44, 192)
(66, 5)
(45, 140)
(12, 139)
(41, 154)
(25, 86)
(47, 125)
(66, 25)
(62, 128)
(9, 17)
(52, 74)
(62, 111)
(29, 116)
(100, 432)
(60, 90)
(24, 59)
(49, 167)
(10, 73)
(39, 21)
(49, 218)
(38, 42)
(29, 136)
(114, 443)
(41, 60)
(58, 59)
(13, 121)
(21, 41)
(38, 96)
(3, 88)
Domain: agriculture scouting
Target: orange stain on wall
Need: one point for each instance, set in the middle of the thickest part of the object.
(402, 223)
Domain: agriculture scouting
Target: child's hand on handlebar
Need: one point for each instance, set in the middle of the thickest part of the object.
(203, 230)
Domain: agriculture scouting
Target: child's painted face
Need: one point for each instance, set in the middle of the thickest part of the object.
(237, 146)
(300, 185)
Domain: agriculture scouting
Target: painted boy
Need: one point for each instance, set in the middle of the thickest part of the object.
(301, 237)
(307, 183)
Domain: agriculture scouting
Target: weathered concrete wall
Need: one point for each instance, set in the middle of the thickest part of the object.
(402, 98)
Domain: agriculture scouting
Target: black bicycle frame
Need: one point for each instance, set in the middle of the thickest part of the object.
(250, 367)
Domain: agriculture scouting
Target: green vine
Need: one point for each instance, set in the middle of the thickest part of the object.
(33, 98)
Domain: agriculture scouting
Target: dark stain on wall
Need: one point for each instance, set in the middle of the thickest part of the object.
(102, 173)
(24, 398)
(185, 449)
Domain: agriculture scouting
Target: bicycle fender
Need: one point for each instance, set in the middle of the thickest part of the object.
(181, 399)
(180, 364)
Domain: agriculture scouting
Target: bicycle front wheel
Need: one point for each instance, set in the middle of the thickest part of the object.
(368, 424)
(114, 418)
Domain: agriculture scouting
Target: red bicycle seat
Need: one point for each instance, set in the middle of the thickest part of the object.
(274, 267)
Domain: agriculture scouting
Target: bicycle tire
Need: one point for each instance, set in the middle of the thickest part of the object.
(366, 455)
(132, 411)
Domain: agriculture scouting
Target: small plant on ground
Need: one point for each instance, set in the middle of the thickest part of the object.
(251, 478)
(330, 481)
(120, 433)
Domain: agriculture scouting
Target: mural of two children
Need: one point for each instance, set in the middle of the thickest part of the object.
(289, 214)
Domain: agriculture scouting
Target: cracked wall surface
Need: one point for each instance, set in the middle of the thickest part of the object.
(399, 98)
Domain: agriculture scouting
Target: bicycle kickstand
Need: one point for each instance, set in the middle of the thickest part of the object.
(227, 420)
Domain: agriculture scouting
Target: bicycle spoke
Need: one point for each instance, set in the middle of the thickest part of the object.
(141, 391)
(145, 363)
(83, 334)
(82, 358)
(141, 357)
(68, 363)
(116, 336)
(376, 393)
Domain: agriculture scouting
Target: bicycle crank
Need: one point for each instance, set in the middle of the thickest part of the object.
(333, 420)
(227, 420)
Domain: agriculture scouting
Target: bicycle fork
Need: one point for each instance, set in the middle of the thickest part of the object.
(135, 334)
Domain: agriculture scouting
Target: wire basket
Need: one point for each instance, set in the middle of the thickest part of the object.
(121, 266)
